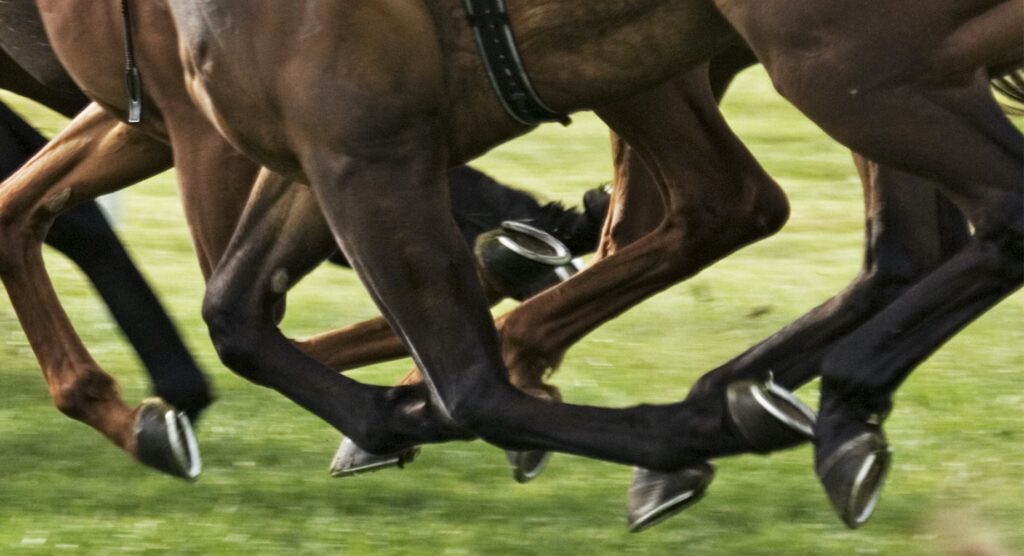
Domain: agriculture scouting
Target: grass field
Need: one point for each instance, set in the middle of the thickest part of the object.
(958, 428)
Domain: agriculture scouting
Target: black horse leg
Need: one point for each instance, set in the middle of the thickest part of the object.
(84, 235)
(480, 204)
(910, 230)
(408, 250)
(280, 238)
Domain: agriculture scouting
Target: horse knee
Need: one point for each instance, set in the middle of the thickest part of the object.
(235, 336)
(1004, 253)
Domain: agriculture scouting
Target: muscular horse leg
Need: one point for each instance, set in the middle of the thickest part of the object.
(96, 154)
(535, 334)
(84, 236)
(716, 198)
(910, 230)
(454, 341)
(904, 119)
(279, 239)
(636, 209)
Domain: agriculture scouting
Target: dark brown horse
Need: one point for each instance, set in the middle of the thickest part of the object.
(399, 124)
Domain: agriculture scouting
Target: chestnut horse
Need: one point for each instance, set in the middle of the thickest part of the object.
(83, 234)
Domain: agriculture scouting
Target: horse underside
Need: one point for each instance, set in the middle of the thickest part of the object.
(712, 203)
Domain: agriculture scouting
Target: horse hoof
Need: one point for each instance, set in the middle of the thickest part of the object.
(768, 416)
(853, 476)
(353, 460)
(656, 496)
(528, 464)
(164, 440)
(521, 260)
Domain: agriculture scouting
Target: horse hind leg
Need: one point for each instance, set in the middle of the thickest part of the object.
(911, 230)
(280, 238)
(705, 198)
(981, 172)
(94, 155)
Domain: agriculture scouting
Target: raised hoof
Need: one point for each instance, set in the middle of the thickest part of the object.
(520, 260)
(164, 440)
(853, 476)
(528, 464)
(768, 416)
(656, 496)
(353, 460)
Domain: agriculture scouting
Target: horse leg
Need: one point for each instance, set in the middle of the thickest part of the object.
(353, 346)
(716, 200)
(451, 340)
(277, 241)
(84, 236)
(95, 154)
(910, 230)
(904, 119)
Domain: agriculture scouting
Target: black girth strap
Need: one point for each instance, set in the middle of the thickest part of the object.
(133, 80)
(489, 20)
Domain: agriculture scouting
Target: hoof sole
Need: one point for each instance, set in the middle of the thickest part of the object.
(164, 440)
(656, 496)
(353, 460)
(853, 476)
(768, 416)
(527, 465)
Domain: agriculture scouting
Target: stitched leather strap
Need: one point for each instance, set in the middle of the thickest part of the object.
(497, 46)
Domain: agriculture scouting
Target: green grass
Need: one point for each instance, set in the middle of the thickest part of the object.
(958, 429)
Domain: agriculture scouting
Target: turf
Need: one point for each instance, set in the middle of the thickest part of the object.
(958, 429)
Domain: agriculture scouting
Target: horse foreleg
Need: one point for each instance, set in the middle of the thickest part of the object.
(360, 344)
(281, 237)
(910, 230)
(716, 199)
(84, 236)
(96, 154)
(914, 103)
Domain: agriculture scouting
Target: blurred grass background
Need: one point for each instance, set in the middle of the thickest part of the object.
(958, 428)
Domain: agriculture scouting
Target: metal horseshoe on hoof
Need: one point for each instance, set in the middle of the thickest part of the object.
(164, 440)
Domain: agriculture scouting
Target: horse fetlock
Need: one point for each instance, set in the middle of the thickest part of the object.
(528, 351)
(78, 393)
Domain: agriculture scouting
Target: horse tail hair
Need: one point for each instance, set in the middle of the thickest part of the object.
(1011, 87)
